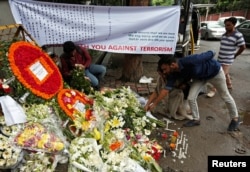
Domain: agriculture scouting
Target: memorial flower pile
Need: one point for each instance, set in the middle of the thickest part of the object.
(119, 123)
(110, 127)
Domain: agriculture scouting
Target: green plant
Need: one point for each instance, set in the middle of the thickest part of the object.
(79, 82)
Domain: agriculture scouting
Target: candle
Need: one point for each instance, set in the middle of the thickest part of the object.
(177, 142)
(180, 153)
(9, 80)
(181, 135)
(23, 98)
(186, 148)
(183, 143)
(167, 122)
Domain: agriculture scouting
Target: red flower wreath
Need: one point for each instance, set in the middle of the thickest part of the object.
(68, 98)
(35, 69)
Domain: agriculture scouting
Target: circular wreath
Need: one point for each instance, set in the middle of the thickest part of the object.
(69, 98)
(35, 69)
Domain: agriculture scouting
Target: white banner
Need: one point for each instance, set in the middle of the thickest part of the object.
(120, 29)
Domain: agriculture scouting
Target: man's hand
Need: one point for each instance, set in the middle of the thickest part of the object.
(80, 66)
(149, 107)
(87, 78)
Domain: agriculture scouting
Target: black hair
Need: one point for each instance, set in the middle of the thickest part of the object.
(166, 60)
(233, 20)
(163, 56)
(68, 47)
(52, 55)
(45, 48)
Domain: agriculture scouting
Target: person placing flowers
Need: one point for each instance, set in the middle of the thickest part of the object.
(169, 100)
(78, 57)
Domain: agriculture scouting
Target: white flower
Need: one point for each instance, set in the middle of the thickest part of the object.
(87, 154)
(147, 132)
(7, 154)
(119, 133)
(73, 92)
(39, 161)
(2, 162)
(2, 120)
(11, 162)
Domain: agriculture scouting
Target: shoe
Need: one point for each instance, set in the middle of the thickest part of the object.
(233, 126)
(192, 123)
(211, 94)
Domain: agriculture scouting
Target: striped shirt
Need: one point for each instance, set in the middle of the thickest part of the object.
(228, 47)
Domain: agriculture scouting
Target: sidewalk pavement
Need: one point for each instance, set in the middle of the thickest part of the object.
(114, 62)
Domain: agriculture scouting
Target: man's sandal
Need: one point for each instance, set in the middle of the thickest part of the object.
(240, 150)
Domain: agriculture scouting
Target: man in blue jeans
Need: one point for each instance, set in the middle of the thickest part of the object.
(76, 56)
(202, 68)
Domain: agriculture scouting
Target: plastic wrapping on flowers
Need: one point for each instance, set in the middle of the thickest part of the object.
(119, 130)
(40, 140)
(110, 128)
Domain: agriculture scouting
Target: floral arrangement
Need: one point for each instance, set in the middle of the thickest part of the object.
(35, 137)
(37, 161)
(37, 112)
(9, 155)
(73, 101)
(85, 154)
(6, 73)
(111, 129)
(79, 82)
(119, 122)
(35, 69)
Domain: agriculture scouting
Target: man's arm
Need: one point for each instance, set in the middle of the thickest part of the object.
(163, 93)
(87, 57)
(240, 50)
(150, 100)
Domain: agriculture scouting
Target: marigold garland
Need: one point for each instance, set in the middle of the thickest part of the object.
(68, 97)
(22, 55)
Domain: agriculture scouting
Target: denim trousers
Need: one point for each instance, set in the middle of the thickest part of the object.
(219, 82)
(95, 73)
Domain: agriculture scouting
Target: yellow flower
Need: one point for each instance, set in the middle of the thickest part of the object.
(41, 144)
(85, 125)
(97, 134)
(45, 137)
(147, 158)
(69, 106)
(58, 146)
(67, 94)
(115, 122)
(20, 141)
(107, 127)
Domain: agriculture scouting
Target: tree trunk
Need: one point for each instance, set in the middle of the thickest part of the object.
(133, 68)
